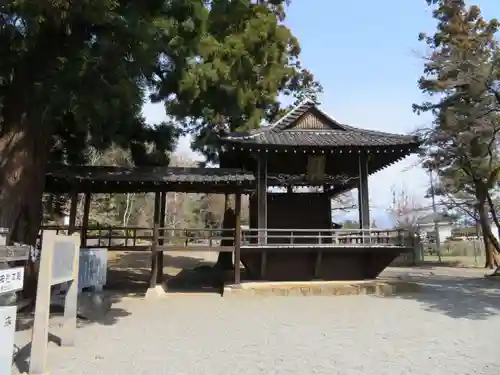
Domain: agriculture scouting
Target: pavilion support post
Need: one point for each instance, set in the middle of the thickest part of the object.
(72, 212)
(155, 290)
(85, 219)
(237, 239)
(363, 196)
(262, 197)
(163, 208)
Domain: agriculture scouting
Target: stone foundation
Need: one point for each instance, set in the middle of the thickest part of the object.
(379, 287)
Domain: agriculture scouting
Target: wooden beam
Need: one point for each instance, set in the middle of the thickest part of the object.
(262, 197)
(123, 187)
(85, 219)
(237, 239)
(159, 252)
(72, 212)
(363, 196)
(154, 246)
(194, 248)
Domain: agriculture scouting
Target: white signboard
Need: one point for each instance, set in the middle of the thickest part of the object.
(63, 259)
(58, 263)
(11, 280)
(7, 329)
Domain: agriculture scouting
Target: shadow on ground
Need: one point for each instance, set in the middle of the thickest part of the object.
(22, 356)
(457, 297)
(129, 273)
(25, 321)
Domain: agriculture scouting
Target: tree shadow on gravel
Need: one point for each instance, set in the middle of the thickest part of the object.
(129, 273)
(25, 322)
(457, 297)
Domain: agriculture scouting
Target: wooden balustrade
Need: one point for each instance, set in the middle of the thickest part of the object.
(203, 239)
(112, 238)
(210, 239)
(328, 237)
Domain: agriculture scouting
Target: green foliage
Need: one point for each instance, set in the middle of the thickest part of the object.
(80, 70)
(84, 69)
(462, 74)
(74, 76)
(230, 80)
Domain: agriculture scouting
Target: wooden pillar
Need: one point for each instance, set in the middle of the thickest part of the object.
(72, 212)
(154, 255)
(85, 219)
(262, 196)
(363, 199)
(163, 208)
(237, 239)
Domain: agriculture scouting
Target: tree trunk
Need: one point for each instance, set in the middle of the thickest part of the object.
(26, 133)
(494, 215)
(24, 148)
(491, 244)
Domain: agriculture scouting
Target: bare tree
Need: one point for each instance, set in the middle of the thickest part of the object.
(406, 208)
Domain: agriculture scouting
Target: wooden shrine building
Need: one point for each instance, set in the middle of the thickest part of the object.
(291, 169)
(308, 148)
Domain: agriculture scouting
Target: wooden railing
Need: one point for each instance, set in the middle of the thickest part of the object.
(207, 239)
(327, 238)
(113, 238)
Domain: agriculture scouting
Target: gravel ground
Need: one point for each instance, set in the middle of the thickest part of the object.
(449, 328)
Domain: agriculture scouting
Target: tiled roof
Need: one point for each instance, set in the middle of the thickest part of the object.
(335, 134)
(430, 218)
(325, 138)
(103, 178)
(150, 174)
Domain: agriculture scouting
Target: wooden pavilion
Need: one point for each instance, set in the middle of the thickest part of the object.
(294, 236)
(290, 235)
(91, 180)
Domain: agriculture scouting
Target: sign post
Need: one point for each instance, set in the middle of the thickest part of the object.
(11, 280)
(7, 330)
(58, 264)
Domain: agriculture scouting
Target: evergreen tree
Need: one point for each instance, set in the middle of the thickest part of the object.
(74, 75)
(245, 58)
(462, 75)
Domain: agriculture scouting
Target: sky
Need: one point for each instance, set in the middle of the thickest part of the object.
(367, 56)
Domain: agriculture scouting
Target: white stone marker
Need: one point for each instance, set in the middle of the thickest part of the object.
(7, 330)
(58, 264)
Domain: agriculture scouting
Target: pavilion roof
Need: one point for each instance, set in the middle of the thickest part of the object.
(108, 179)
(307, 125)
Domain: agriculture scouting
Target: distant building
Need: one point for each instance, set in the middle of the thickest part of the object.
(471, 231)
(426, 226)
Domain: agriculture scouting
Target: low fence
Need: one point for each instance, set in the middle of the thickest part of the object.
(328, 237)
(466, 252)
(112, 238)
(216, 239)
